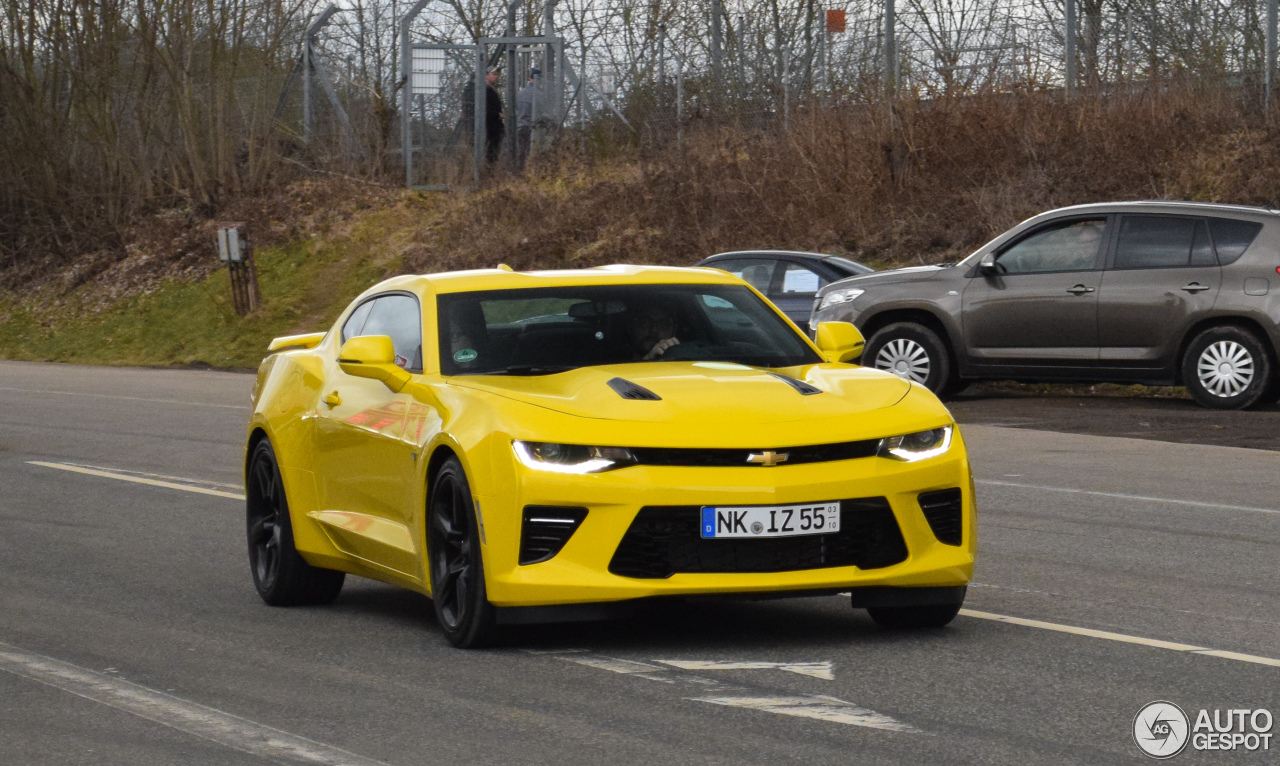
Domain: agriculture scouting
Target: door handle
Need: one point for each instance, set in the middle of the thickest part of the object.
(1195, 287)
(1079, 290)
(332, 399)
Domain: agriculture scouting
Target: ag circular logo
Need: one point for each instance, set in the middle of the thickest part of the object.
(1160, 729)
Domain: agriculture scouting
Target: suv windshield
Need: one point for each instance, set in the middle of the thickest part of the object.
(553, 329)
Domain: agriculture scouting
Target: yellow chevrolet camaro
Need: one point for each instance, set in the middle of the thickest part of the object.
(538, 446)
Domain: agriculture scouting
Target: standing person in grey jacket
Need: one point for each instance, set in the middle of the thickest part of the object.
(530, 107)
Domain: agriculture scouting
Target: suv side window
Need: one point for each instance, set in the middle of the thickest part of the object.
(399, 317)
(1162, 242)
(757, 272)
(800, 282)
(1067, 246)
(1232, 237)
(355, 323)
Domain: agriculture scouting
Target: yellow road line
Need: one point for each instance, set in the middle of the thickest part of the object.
(1121, 637)
(137, 479)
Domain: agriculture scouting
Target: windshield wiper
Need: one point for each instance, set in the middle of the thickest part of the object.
(529, 369)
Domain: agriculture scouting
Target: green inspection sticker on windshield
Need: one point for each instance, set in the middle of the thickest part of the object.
(462, 356)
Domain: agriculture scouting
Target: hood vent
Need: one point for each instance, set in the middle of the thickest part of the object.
(798, 385)
(628, 390)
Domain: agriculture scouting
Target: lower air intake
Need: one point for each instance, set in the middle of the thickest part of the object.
(666, 540)
(944, 510)
(546, 529)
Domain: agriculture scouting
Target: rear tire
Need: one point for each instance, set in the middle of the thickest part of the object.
(458, 590)
(914, 352)
(913, 617)
(280, 575)
(1227, 368)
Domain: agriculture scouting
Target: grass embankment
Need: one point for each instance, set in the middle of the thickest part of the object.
(303, 286)
(929, 182)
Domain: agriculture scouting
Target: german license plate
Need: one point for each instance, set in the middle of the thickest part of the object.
(737, 522)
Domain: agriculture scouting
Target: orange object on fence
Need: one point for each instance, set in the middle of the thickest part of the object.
(835, 21)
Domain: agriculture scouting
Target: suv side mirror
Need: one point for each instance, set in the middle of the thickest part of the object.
(372, 356)
(987, 266)
(840, 341)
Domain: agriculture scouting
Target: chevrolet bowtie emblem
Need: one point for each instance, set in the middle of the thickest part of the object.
(768, 457)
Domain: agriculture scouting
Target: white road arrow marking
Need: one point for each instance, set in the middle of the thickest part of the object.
(626, 667)
(813, 669)
(820, 707)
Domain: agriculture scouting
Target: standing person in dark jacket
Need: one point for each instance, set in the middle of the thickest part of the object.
(494, 126)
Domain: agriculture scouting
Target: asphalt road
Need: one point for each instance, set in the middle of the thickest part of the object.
(130, 632)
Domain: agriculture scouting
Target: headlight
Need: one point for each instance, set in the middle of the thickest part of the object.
(572, 458)
(917, 446)
(839, 296)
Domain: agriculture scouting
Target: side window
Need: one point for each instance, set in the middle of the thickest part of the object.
(799, 281)
(757, 272)
(1231, 237)
(399, 317)
(1069, 246)
(1158, 242)
(355, 323)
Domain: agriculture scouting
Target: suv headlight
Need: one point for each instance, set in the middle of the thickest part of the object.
(571, 458)
(917, 446)
(840, 296)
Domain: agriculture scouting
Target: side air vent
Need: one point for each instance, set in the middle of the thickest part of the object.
(944, 512)
(798, 385)
(628, 390)
(546, 529)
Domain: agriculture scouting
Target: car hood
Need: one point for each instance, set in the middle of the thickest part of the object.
(713, 395)
(907, 274)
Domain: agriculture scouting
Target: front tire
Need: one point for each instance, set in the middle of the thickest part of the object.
(457, 568)
(914, 352)
(280, 575)
(1227, 368)
(913, 617)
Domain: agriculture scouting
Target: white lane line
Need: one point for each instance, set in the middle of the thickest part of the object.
(1122, 637)
(626, 667)
(820, 707)
(1123, 496)
(128, 398)
(137, 479)
(165, 709)
(812, 669)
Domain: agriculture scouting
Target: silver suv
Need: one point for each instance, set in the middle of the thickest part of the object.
(1161, 293)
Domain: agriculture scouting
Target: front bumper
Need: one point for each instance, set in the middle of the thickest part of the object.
(579, 573)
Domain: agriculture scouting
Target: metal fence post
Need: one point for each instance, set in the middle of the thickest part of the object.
(1270, 67)
(478, 129)
(891, 49)
(1071, 47)
(406, 92)
(509, 108)
(717, 11)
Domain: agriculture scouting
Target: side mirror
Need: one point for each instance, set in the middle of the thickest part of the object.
(840, 341)
(372, 356)
(987, 266)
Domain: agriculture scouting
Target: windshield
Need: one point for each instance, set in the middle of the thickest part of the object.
(553, 329)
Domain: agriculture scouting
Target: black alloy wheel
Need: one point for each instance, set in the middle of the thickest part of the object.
(914, 352)
(457, 568)
(280, 574)
(913, 617)
(1228, 368)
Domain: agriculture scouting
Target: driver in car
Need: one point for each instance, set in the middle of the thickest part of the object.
(652, 329)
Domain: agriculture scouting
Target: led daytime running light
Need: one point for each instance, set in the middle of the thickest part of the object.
(921, 445)
(571, 458)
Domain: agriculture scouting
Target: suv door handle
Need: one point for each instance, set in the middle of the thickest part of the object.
(1080, 290)
(1195, 287)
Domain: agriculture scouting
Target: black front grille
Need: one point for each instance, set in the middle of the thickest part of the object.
(944, 510)
(666, 540)
(721, 458)
(546, 529)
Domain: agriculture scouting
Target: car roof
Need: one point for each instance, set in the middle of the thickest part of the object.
(768, 254)
(1164, 206)
(504, 279)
